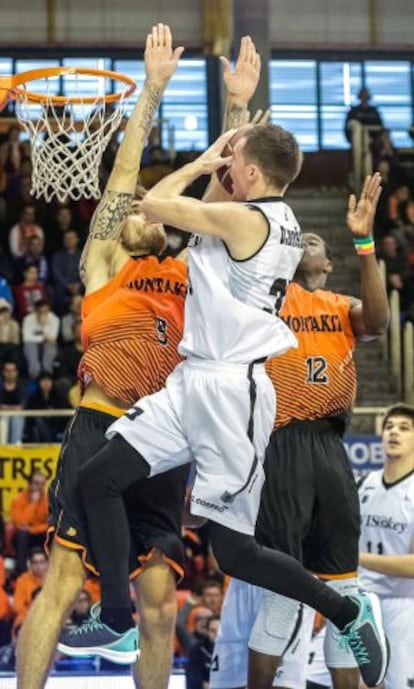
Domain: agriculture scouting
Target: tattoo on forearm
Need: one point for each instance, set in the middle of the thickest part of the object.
(154, 94)
(112, 210)
(235, 116)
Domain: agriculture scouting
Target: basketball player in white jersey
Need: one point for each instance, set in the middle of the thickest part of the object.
(218, 406)
(387, 541)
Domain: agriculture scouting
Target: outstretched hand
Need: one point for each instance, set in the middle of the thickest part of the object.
(160, 59)
(361, 214)
(241, 83)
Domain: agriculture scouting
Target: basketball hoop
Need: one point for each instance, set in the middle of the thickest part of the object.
(68, 133)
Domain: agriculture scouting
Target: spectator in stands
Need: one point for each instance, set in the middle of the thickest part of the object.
(26, 228)
(158, 166)
(211, 598)
(9, 333)
(69, 320)
(61, 223)
(5, 266)
(48, 429)
(5, 291)
(65, 269)
(11, 151)
(33, 257)
(398, 269)
(28, 583)
(80, 612)
(12, 398)
(364, 113)
(200, 657)
(28, 513)
(29, 292)
(40, 333)
(70, 356)
(5, 618)
(187, 639)
(396, 203)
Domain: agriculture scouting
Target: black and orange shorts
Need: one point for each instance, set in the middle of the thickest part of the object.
(154, 506)
(309, 505)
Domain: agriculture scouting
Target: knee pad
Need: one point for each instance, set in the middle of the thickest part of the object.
(336, 656)
(277, 624)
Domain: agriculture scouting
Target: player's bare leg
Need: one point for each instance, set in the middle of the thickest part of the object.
(40, 631)
(158, 609)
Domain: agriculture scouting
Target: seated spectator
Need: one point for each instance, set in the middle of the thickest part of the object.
(211, 598)
(61, 222)
(47, 429)
(80, 612)
(396, 202)
(40, 333)
(70, 356)
(158, 166)
(364, 113)
(189, 639)
(9, 334)
(199, 660)
(11, 151)
(5, 291)
(12, 398)
(28, 583)
(29, 292)
(5, 618)
(29, 514)
(26, 228)
(65, 270)
(68, 321)
(398, 269)
(5, 267)
(33, 257)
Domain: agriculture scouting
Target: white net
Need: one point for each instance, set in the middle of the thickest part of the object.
(67, 142)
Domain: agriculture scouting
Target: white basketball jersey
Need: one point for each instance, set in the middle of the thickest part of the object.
(231, 306)
(387, 528)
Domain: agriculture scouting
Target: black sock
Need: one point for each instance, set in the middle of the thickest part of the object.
(347, 613)
(118, 619)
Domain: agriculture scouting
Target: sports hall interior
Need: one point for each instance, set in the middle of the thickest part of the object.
(316, 58)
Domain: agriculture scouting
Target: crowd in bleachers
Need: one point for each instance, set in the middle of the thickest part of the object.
(23, 566)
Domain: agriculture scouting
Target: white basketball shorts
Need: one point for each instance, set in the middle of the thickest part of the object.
(230, 656)
(398, 616)
(218, 414)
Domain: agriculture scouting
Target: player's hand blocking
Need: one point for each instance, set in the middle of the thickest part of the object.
(160, 59)
(241, 83)
(361, 214)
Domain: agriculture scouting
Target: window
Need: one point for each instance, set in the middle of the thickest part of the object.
(390, 85)
(184, 107)
(293, 98)
(338, 82)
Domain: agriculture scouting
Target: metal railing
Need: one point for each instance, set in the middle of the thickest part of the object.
(5, 416)
(361, 150)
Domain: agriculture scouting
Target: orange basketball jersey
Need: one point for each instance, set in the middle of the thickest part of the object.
(131, 328)
(318, 379)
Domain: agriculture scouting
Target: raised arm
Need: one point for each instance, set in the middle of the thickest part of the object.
(160, 64)
(371, 315)
(240, 85)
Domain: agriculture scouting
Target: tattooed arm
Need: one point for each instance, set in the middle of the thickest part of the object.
(160, 64)
(241, 83)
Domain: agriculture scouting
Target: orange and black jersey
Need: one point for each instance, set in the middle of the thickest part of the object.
(318, 379)
(131, 328)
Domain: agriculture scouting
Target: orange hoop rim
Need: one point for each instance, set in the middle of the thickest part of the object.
(12, 85)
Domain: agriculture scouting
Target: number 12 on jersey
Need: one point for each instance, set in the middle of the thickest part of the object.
(316, 370)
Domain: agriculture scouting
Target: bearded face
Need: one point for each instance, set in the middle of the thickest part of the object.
(139, 236)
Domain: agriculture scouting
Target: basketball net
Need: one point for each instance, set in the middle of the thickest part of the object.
(68, 141)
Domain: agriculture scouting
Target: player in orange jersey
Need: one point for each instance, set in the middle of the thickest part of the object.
(309, 505)
(132, 321)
